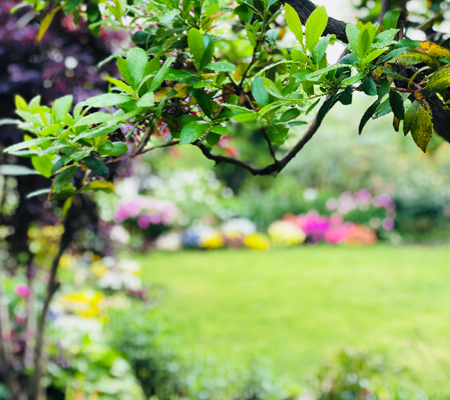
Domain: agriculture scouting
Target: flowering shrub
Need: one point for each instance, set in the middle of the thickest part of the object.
(152, 216)
(257, 241)
(285, 234)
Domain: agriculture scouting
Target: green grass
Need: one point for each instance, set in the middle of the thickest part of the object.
(298, 307)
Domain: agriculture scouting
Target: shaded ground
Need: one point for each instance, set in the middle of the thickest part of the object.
(298, 306)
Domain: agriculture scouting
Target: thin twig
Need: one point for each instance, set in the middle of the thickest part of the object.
(172, 143)
(269, 143)
(403, 90)
(276, 166)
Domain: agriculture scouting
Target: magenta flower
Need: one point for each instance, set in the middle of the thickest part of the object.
(22, 290)
(388, 223)
(339, 234)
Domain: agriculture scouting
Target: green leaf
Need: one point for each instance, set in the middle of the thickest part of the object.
(161, 75)
(352, 35)
(16, 170)
(208, 50)
(290, 115)
(96, 166)
(219, 129)
(122, 66)
(440, 80)
(390, 19)
(38, 193)
(293, 22)
(32, 118)
(298, 55)
(272, 88)
(61, 108)
(121, 85)
(221, 66)
(368, 86)
(195, 42)
(94, 118)
(147, 100)
(50, 130)
(364, 42)
(422, 129)
(368, 114)
(46, 21)
(64, 177)
(193, 131)
(347, 96)
(107, 100)
(413, 58)
(137, 62)
(259, 92)
(43, 165)
(25, 145)
(411, 114)
(100, 131)
(20, 103)
(59, 164)
(396, 102)
(315, 26)
(352, 79)
(119, 149)
(9, 121)
(105, 148)
(371, 56)
(103, 186)
(242, 118)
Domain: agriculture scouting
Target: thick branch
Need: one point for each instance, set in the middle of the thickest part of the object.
(305, 8)
(276, 166)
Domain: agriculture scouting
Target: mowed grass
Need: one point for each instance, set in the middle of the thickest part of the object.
(298, 307)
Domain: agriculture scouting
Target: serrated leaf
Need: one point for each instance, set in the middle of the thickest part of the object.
(396, 102)
(137, 60)
(196, 44)
(193, 131)
(259, 92)
(293, 22)
(64, 178)
(96, 166)
(221, 66)
(440, 80)
(315, 26)
(368, 114)
(107, 100)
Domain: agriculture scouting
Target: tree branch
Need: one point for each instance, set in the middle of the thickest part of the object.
(276, 166)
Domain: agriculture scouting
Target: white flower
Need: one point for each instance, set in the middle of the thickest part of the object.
(119, 234)
(170, 241)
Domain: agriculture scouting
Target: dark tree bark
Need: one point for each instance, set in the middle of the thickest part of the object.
(441, 117)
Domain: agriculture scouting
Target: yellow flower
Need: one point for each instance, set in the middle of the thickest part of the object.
(214, 241)
(86, 304)
(98, 269)
(285, 234)
(257, 241)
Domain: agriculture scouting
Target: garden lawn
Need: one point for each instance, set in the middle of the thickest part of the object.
(299, 306)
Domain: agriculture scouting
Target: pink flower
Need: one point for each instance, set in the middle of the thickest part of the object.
(22, 290)
(339, 234)
(388, 224)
